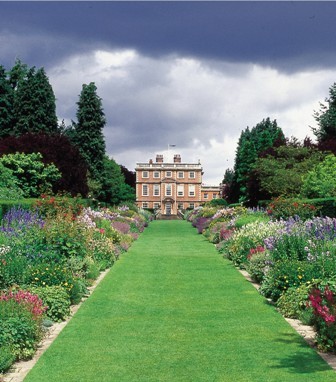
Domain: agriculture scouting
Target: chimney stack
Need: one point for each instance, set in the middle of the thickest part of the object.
(177, 158)
(159, 158)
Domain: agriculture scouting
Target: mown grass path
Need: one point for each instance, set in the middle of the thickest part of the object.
(172, 309)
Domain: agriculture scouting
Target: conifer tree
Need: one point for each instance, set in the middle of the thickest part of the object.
(6, 105)
(87, 133)
(35, 104)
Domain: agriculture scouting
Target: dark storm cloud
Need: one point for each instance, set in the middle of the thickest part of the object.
(280, 34)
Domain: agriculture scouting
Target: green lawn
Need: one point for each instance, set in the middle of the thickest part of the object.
(172, 309)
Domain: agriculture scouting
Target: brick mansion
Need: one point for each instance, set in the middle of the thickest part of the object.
(169, 187)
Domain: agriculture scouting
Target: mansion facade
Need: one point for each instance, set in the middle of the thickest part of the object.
(169, 187)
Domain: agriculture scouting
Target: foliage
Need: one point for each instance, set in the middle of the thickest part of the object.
(56, 149)
(87, 133)
(259, 262)
(281, 172)
(9, 187)
(251, 144)
(293, 303)
(34, 104)
(281, 208)
(285, 274)
(20, 323)
(7, 358)
(322, 299)
(6, 104)
(321, 180)
(33, 177)
(250, 217)
(112, 188)
(57, 301)
(326, 117)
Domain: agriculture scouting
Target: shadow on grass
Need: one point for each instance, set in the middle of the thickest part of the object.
(301, 362)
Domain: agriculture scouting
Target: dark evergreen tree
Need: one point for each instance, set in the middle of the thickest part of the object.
(252, 143)
(17, 74)
(326, 118)
(87, 133)
(35, 104)
(6, 105)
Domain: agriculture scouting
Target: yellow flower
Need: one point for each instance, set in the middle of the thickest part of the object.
(36, 278)
(300, 277)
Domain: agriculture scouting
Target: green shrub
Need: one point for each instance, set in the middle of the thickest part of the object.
(13, 269)
(251, 218)
(281, 208)
(18, 329)
(285, 274)
(258, 266)
(293, 302)
(7, 358)
(46, 274)
(56, 299)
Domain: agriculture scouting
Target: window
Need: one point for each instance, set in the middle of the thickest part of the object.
(156, 206)
(145, 205)
(180, 190)
(191, 190)
(180, 174)
(214, 196)
(205, 195)
(180, 206)
(168, 190)
(144, 190)
(192, 174)
(168, 174)
(145, 174)
(192, 205)
(156, 174)
(156, 190)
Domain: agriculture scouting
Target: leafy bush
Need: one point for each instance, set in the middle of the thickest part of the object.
(258, 265)
(20, 323)
(33, 177)
(57, 301)
(285, 274)
(293, 303)
(281, 208)
(251, 218)
(7, 358)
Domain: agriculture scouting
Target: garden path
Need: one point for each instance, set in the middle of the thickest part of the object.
(172, 309)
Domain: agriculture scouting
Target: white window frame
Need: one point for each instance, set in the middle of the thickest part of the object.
(179, 192)
(145, 205)
(205, 195)
(168, 189)
(145, 190)
(191, 190)
(192, 205)
(180, 206)
(180, 174)
(156, 190)
(192, 175)
(156, 174)
(169, 174)
(145, 174)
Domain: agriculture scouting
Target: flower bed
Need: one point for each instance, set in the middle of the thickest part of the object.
(293, 260)
(49, 256)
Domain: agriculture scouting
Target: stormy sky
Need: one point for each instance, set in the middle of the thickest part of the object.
(192, 74)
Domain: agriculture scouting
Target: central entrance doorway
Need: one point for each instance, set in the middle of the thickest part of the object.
(168, 208)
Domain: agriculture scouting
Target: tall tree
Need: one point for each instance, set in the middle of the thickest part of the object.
(6, 104)
(35, 104)
(326, 118)
(113, 188)
(252, 143)
(87, 133)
